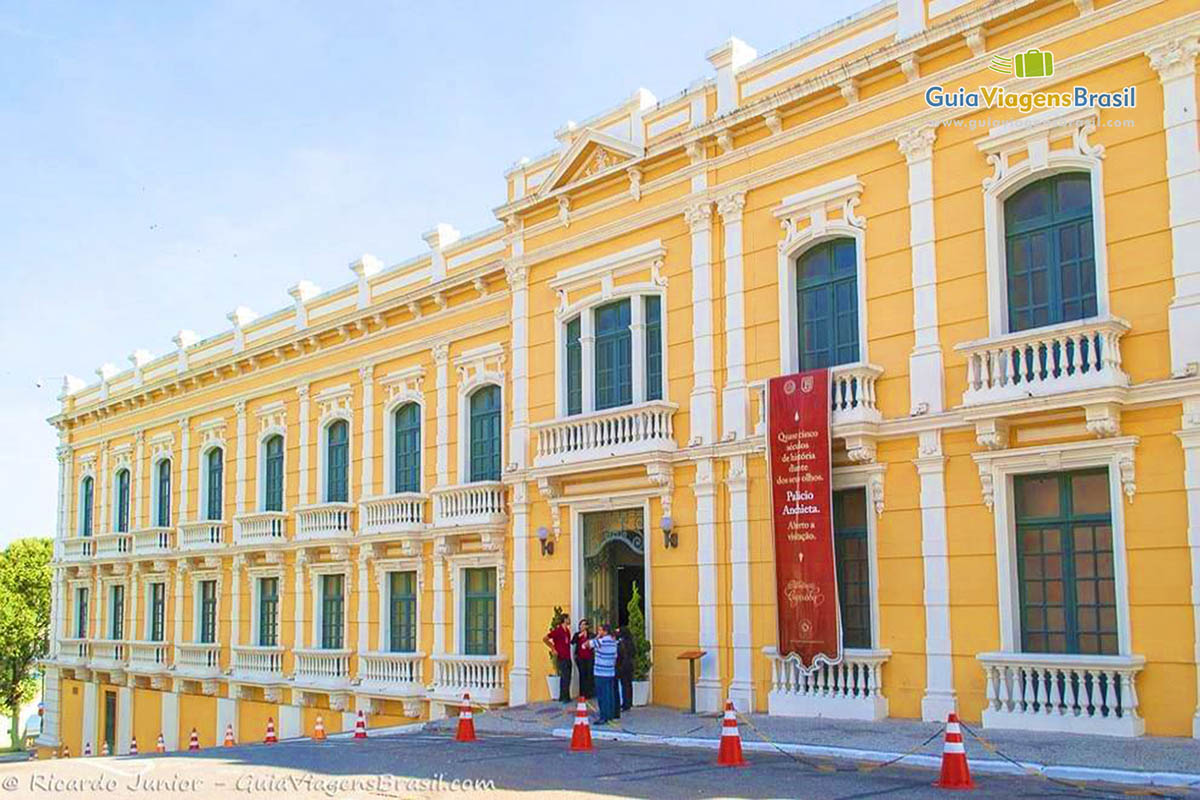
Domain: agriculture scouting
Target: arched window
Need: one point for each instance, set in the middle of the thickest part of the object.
(86, 505)
(614, 356)
(485, 434)
(1049, 252)
(337, 462)
(162, 495)
(215, 468)
(407, 461)
(273, 473)
(827, 304)
(121, 515)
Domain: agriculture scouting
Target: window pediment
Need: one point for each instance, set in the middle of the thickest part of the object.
(813, 213)
(592, 153)
(1017, 150)
(604, 271)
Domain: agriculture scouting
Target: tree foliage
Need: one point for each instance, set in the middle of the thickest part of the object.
(637, 629)
(24, 622)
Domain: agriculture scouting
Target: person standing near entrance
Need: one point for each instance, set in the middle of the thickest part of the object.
(558, 639)
(626, 652)
(584, 656)
(605, 670)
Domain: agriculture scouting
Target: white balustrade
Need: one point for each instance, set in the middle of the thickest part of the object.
(393, 513)
(148, 656)
(852, 689)
(202, 535)
(614, 432)
(322, 667)
(260, 527)
(325, 521)
(1065, 693)
(78, 549)
(113, 545)
(74, 651)
(479, 503)
(397, 674)
(107, 653)
(153, 540)
(258, 663)
(852, 393)
(198, 659)
(1071, 357)
(482, 677)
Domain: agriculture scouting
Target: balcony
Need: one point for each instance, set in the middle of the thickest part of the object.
(260, 528)
(108, 654)
(470, 504)
(75, 652)
(852, 390)
(391, 674)
(324, 521)
(1063, 693)
(849, 690)
(482, 677)
(202, 535)
(393, 514)
(198, 660)
(113, 545)
(148, 657)
(613, 433)
(322, 668)
(258, 664)
(78, 549)
(152, 541)
(1059, 359)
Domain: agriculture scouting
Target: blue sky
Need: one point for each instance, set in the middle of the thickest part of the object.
(162, 163)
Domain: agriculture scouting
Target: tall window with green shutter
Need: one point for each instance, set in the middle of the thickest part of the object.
(333, 617)
(215, 507)
(827, 301)
(574, 368)
(268, 612)
(852, 557)
(485, 434)
(407, 454)
(116, 612)
(337, 462)
(402, 598)
(87, 498)
(81, 613)
(614, 356)
(1065, 563)
(654, 355)
(208, 612)
(273, 473)
(479, 611)
(121, 523)
(162, 495)
(158, 610)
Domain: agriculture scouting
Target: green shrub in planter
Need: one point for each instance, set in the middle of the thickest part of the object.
(641, 645)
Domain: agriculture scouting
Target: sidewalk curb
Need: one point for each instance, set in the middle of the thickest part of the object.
(982, 766)
(415, 727)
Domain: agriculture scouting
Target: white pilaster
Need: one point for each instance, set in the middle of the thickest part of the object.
(441, 357)
(637, 336)
(734, 400)
(298, 599)
(741, 688)
(1189, 437)
(134, 631)
(939, 699)
(180, 572)
(100, 520)
(518, 436)
(587, 361)
(291, 722)
(235, 612)
(240, 476)
(925, 361)
(518, 283)
(519, 675)
(124, 720)
(226, 715)
(90, 706)
(365, 552)
(703, 406)
(367, 373)
(1175, 63)
(184, 469)
(52, 698)
(303, 393)
(139, 453)
(708, 684)
(439, 598)
(170, 721)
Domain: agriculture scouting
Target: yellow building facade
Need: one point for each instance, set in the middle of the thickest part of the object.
(374, 498)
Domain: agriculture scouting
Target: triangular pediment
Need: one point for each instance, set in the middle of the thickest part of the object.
(590, 153)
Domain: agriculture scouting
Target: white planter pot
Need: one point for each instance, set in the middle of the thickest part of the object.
(552, 686)
(641, 693)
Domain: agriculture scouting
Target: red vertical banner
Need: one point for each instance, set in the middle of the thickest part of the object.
(799, 460)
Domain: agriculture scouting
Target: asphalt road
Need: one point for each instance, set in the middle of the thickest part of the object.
(393, 766)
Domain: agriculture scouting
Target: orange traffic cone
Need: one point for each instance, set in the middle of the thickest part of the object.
(161, 745)
(133, 746)
(270, 737)
(955, 772)
(466, 722)
(87, 749)
(194, 741)
(360, 726)
(581, 732)
(229, 740)
(319, 730)
(730, 752)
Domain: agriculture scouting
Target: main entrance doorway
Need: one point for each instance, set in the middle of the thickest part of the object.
(614, 561)
(110, 721)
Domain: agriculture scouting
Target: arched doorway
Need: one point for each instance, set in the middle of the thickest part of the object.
(614, 561)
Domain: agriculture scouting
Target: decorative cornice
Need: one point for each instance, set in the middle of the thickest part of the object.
(917, 145)
(699, 216)
(1175, 59)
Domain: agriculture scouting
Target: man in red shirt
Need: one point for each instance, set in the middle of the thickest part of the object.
(558, 639)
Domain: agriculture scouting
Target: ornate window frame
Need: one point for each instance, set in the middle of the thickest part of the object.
(87, 471)
(383, 596)
(996, 471)
(316, 571)
(476, 368)
(255, 574)
(197, 576)
(869, 478)
(484, 559)
(272, 421)
(403, 386)
(122, 459)
(212, 437)
(147, 597)
(809, 218)
(333, 404)
(1032, 141)
(162, 449)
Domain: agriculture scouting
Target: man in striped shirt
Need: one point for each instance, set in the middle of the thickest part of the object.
(605, 670)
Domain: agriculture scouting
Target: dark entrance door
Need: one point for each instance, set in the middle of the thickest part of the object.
(627, 576)
(110, 721)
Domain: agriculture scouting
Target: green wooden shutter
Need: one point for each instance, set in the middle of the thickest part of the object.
(407, 453)
(163, 520)
(574, 368)
(654, 354)
(403, 606)
(273, 475)
(485, 434)
(216, 480)
(337, 462)
(827, 304)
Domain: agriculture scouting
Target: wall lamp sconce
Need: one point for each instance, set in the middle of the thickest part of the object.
(670, 538)
(544, 539)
